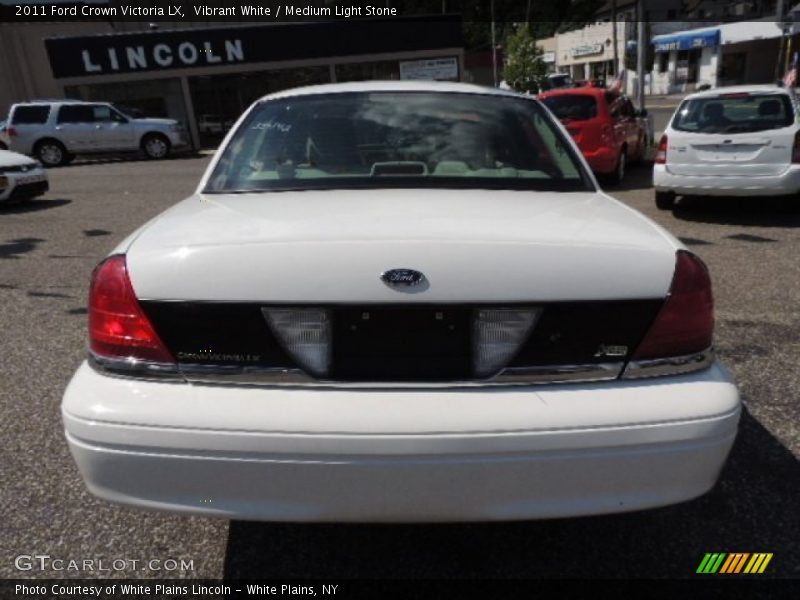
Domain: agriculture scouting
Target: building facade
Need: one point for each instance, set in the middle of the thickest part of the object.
(202, 74)
(709, 57)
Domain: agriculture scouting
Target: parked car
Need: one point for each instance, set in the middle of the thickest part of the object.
(559, 80)
(400, 301)
(55, 131)
(3, 136)
(20, 177)
(605, 125)
(735, 141)
(213, 124)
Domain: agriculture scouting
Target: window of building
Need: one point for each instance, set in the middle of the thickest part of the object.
(688, 65)
(385, 69)
(663, 61)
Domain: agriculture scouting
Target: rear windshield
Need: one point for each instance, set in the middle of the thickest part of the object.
(27, 115)
(572, 107)
(398, 139)
(734, 113)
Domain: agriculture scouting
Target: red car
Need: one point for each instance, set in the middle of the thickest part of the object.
(610, 132)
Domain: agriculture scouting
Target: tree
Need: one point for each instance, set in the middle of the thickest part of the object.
(524, 70)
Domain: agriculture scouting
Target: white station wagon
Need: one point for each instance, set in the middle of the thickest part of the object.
(400, 301)
(736, 141)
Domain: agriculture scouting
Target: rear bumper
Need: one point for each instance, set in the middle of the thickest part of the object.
(401, 455)
(712, 185)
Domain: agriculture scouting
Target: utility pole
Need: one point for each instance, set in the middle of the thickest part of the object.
(494, 47)
(640, 54)
(615, 68)
(779, 18)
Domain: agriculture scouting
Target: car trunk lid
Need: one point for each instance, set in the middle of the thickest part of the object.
(333, 246)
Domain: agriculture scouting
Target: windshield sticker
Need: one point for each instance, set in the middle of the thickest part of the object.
(272, 124)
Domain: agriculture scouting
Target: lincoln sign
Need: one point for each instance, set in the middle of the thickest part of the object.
(196, 48)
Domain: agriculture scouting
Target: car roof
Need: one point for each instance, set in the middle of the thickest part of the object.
(58, 101)
(739, 89)
(577, 91)
(446, 87)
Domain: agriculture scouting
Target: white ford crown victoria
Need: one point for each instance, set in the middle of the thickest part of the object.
(400, 302)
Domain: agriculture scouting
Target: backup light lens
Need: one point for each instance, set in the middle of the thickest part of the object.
(498, 334)
(685, 324)
(118, 328)
(305, 334)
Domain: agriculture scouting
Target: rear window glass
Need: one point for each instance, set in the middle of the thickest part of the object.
(572, 107)
(736, 113)
(398, 139)
(26, 115)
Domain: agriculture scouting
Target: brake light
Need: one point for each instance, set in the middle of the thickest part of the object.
(118, 327)
(685, 324)
(735, 95)
(661, 153)
(796, 149)
(11, 132)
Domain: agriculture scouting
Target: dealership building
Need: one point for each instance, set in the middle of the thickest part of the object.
(204, 74)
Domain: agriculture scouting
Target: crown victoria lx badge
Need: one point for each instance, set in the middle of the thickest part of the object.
(402, 277)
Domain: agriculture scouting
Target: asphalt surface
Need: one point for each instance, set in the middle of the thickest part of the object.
(47, 252)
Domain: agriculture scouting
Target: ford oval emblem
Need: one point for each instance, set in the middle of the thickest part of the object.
(402, 277)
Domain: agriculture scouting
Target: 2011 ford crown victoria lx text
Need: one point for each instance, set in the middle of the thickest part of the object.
(400, 302)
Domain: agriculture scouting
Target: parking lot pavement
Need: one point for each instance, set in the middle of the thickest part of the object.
(47, 252)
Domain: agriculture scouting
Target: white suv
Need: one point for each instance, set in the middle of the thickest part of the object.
(55, 131)
(736, 141)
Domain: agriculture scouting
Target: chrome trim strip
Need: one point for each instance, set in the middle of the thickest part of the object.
(674, 365)
(135, 367)
(292, 377)
(560, 373)
(199, 373)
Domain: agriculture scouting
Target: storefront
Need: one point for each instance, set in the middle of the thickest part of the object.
(207, 77)
(730, 54)
(588, 53)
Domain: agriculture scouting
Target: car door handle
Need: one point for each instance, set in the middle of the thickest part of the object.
(98, 126)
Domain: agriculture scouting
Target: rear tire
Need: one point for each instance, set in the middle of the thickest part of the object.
(641, 150)
(665, 200)
(51, 153)
(619, 171)
(155, 146)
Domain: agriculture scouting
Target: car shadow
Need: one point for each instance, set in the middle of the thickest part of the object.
(753, 508)
(637, 177)
(124, 158)
(34, 205)
(765, 211)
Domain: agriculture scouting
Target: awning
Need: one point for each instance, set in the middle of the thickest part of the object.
(686, 40)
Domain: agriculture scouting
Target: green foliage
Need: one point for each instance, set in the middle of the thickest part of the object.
(524, 70)
(544, 18)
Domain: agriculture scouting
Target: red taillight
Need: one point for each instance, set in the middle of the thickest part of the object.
(118, 328)
(11, 132)
(685, 324)
(796, 149)
(661, 153)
